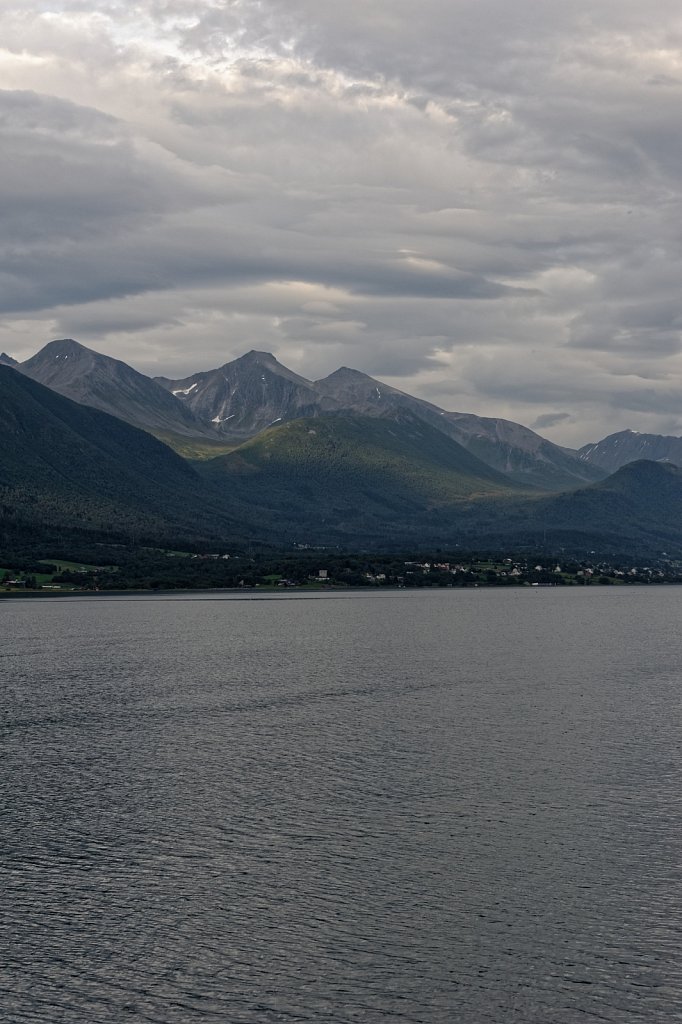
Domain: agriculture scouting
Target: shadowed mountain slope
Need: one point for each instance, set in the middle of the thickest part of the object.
(76, 467)
(363, 480)
(637, 508)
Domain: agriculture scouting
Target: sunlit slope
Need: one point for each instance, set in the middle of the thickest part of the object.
(352, 474)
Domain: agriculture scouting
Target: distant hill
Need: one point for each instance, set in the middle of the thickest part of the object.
(111, 386)
(74, 467)
(6, 360)
(626, 446)
(637, 508)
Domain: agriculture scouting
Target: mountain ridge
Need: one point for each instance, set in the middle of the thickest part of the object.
(210, 412)
(626, 446)
(335, 479)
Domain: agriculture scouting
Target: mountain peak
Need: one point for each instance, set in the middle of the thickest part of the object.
(7, 360)
(256, 360)
(63, 347)
(110, 385)
(254, 356)
(346, 375)
(257, 354)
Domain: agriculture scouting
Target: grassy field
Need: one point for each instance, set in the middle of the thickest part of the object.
(46, 580)
(63, 566)
(197, 449)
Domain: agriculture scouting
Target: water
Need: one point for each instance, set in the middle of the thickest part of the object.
(412, 807)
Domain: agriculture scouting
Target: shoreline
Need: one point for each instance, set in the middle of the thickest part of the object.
(290, 592)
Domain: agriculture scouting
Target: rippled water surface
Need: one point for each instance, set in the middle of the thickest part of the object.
(422, 807)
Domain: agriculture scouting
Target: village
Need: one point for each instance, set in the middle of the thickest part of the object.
(156, 570)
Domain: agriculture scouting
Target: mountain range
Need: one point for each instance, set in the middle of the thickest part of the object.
(343, 460)
(231, 404)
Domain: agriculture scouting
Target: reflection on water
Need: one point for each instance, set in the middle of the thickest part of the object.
(432, 807)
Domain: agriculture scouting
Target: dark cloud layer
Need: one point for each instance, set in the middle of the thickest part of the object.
(479, 201)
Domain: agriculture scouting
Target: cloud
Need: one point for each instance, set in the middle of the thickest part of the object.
(479, 202)
(549, 419)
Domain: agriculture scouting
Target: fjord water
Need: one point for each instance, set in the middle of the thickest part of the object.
(410, 806)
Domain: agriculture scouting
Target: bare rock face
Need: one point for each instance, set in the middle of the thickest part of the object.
(110, 385)
(248, 395)
(617, 450)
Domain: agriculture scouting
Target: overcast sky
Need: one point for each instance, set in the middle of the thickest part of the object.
(477, 201)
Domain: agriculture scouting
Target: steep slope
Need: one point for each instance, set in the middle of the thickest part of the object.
(512, 449)
(519, 451)
(626, 446)
(111, 386)
(248, 395)
(65, 464)
(6, 360)
(345, 477)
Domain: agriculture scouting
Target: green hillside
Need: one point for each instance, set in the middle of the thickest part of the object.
(341, 476)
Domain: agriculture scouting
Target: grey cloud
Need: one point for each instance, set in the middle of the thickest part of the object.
(648, 400)
(490, 191)
(70, 173)
(549, 419)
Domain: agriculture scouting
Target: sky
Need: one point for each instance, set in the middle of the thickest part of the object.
(477, 201)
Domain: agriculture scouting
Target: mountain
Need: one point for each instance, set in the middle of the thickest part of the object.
(517, 451)
(248, 395)
(638, 505)
(111, 386)
(6, 360)
(626, 446)
(354, 478)
(72, 467)
(70, 470)
(215, 410)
